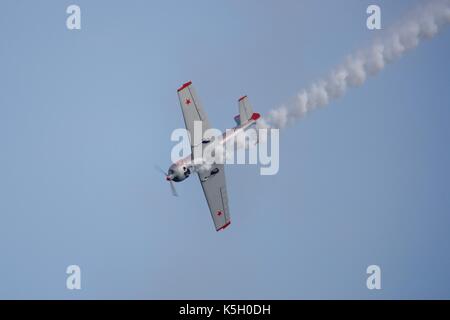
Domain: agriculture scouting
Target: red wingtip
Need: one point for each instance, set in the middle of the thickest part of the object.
(187, 84)
(224, 226)
(255, 116)
(242, 98)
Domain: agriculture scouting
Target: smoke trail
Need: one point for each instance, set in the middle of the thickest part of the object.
(422, 23)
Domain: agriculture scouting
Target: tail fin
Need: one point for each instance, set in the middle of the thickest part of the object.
(245, 109)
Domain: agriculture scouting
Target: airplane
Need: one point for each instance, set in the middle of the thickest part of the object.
(212, 180)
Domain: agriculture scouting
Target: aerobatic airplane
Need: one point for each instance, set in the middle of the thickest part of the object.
(213, 179)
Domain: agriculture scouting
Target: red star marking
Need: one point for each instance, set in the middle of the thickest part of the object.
(188, 101)
(219, 213)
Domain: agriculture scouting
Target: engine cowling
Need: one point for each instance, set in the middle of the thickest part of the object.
(179, 172)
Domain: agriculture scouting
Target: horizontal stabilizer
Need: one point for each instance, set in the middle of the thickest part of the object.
(245, 110)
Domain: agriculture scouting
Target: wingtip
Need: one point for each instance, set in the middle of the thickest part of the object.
(224, 226)
(187, 84)
(242, 98)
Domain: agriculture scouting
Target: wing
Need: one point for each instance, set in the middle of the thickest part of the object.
(215, 189)
(192, 112)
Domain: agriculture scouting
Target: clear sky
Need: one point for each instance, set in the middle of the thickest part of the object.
(85, 115)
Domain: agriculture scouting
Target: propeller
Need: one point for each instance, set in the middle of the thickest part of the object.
(168, 178)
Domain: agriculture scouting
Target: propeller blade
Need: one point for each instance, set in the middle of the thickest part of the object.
(172, 187)
(158, 168)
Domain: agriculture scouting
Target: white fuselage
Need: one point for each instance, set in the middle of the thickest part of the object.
(181, 169)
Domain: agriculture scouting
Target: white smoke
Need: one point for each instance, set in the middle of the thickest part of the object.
(424, 22)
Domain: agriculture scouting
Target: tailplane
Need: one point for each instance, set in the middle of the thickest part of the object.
(245, 109)
(245, 112)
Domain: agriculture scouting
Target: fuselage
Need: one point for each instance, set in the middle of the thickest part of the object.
(183, 168)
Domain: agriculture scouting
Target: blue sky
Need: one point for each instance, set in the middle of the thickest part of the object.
(85, 115)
